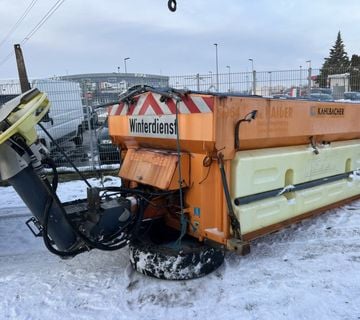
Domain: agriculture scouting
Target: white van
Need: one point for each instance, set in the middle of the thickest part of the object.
(66, 111)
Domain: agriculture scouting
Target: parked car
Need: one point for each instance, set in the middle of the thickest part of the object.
(321, 90)
(90, 115)
(6, 97)
(281, 96)
(108, 152)
(321, 97)
(353, 96)
(102, 114)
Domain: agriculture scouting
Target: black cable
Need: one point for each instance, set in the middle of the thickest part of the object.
(48, 14)
(137, 191)
(90, 244)
(46, 239)
(183, 220)
(55, 180)
(51, 11)
(64, 154)
(207, 175)
(18, 22)
(119, 232)
(51, 191)
(84, 238)
(140, 218)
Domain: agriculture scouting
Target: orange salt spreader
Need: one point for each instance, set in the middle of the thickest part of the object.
(201, 174)
(229, 168)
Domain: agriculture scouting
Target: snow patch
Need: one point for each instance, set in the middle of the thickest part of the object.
(308, 271)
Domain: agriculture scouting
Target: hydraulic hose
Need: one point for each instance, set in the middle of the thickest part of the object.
(65, 155)
(55, 180)
(46, 239)
(137, 191)
(88, 242)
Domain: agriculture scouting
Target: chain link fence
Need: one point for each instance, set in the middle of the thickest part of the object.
(78, 123)
(300, 83)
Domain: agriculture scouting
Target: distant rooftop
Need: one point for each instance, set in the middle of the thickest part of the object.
(112, 75)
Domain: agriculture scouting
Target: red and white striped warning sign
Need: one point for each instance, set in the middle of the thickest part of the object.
(150, 104)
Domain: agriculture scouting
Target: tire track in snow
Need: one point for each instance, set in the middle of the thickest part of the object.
(14, 212)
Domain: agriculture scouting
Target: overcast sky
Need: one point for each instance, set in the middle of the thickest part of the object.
(95, 36)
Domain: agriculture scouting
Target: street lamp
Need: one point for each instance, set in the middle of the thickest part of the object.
(118, 69)
(125, 63)
(253, 76)
(217, 66)
(229, 77)
(252, 64)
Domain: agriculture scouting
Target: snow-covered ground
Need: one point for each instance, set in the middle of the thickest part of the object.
(309, 271)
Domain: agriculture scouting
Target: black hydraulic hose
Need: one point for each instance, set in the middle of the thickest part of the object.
(235, 224)
(46, 239)
(55, 180)
(90, 243)
(87, 241)
(65, 155)
(140, 218)
(72, 253)
(183, 220)
(137, 191)
(118, 233)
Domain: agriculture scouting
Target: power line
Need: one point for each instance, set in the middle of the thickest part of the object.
(52, 10)
(18, 22)
(10, 54)
(48, 14)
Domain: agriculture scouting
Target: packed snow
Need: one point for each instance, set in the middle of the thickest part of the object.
(308, 271)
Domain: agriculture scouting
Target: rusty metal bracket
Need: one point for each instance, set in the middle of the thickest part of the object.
(24, 81)
(238, 246)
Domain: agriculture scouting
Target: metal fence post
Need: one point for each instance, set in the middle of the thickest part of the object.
(88, 116)
(309, 81)
(254, 83)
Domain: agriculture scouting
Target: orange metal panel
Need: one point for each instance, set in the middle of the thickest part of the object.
(278, 123)
(196, 133)
(155, 168)
(283, 122)
(205, 201)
